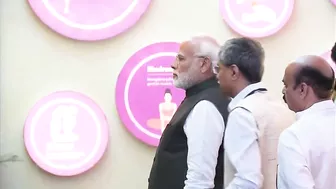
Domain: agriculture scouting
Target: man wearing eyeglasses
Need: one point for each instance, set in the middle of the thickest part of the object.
(190, 153)
(255, 120)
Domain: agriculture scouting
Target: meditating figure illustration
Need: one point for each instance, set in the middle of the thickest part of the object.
(260, 12)
(63, 122)
(167, 108)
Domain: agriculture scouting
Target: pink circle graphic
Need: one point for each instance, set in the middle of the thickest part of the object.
(66, 133)
(333, 2)
(89, 20)
(145, 96)
(327, 57)
(256, 18)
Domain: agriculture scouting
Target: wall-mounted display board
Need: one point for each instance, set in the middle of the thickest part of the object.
(89, 20)
(256, 18)
(146, 98)
(66, 133)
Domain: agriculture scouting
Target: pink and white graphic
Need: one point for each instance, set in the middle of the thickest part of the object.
(66, 133)
(256, 18)
(145, 96)
(333, 2)
(89, 20)
(327, 57)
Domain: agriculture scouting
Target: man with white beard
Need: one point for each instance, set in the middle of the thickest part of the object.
(190, 153)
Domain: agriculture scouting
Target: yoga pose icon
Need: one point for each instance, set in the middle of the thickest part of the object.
(63, 122)
(167, 108)
(63, 137)
(260, 12)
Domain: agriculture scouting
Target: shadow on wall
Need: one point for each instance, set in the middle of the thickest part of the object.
(9, 158)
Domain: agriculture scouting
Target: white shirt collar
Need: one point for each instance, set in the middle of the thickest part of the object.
(242, 94)
(317, 107)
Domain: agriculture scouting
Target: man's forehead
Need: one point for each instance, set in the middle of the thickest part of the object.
(291, 68)
(186, 48)
(290, 71)
(185, 44)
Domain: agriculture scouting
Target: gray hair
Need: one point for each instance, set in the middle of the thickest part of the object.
(248, 55)
(206, 46)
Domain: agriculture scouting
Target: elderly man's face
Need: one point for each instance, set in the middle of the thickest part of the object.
(291, 95)
(228, 77)
(184, 66)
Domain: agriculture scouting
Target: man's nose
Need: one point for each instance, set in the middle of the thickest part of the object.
(174, 65)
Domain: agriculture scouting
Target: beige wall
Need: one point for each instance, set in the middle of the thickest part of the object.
(36, 61)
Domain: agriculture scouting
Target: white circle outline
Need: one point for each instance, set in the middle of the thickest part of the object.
(90, 27)
(247, 29)
(38, 114)
(127, 86)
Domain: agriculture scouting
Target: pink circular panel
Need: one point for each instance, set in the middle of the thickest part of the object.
(145, 96)
(66, 133)
(256, 18)
(89, 20)
(333, 2)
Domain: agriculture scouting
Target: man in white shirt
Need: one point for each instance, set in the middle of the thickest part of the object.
(190, 153)
(306, 152)
(255, 120)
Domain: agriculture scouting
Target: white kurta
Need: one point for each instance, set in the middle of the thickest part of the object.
(251, 139)
(204, 129)
(306, 152)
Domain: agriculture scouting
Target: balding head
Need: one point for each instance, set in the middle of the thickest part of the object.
(317, 63)
(307, 80)
(194, 61)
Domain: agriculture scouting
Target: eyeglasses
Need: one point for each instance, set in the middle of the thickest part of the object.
(180, 58)
(215, 69)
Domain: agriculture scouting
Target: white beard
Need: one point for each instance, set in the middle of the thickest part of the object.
(187, 79)
(183, 82)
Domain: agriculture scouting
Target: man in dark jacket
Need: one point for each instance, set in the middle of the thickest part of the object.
(190, 153)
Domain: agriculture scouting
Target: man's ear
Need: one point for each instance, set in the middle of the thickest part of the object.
(206, 64)
(235, 72)
(303, 90)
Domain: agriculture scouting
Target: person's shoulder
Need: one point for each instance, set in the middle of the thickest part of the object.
(214, 93)
(204, 104)
(206, 110)
(289, 133)
(204, 107)
(241, 113)
(250, 101)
